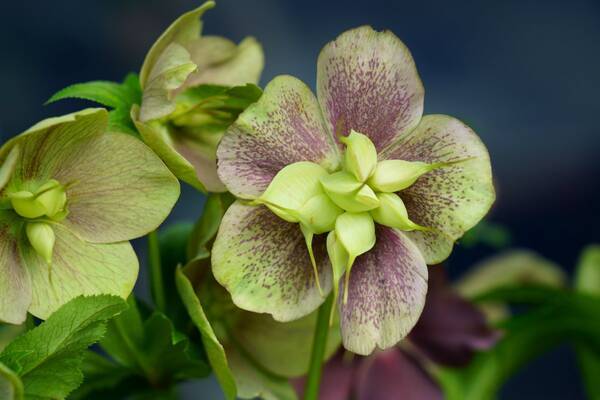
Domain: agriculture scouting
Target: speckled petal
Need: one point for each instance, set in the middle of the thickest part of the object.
(386, 293)
(367, 81)
(283, 127)
(263, 262)
(451, 199)
(393, 375)
(15, 284)
(78, 268)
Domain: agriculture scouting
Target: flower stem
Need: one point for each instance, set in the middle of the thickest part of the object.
(313, 380)
(156, 277)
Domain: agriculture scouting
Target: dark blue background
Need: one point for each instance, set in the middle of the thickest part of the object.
(524, 74)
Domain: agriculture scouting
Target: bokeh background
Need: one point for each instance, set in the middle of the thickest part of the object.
(524, 74)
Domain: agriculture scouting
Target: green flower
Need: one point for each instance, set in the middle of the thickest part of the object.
(71, 196)
(392, 189)
(187, 102)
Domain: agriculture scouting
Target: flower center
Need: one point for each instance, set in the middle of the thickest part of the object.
(346, 203)
(39, 208)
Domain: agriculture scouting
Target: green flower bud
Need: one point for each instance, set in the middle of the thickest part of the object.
(292, 187)
(49, 200)
(394, 175)
(360, 157)
(319, 214)
(392, 212)
(356, 232)
(41, 237)
(348, 193)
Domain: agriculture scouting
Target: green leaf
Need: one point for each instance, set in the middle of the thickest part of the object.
(208, 224)
(103, 378)
(589, 363)
(118, 96)
(48, 358)
(558, 316)
(587, 276)
(11, 387)
(109, 94)
(214, 349)
(153, 348)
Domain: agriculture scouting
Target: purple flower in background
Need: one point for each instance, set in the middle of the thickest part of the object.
(448, 333)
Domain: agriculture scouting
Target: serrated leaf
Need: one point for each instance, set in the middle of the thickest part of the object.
(109, 94)
(153, 348)
(48, 358)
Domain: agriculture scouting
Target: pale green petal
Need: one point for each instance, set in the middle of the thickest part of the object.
(42, 238)
(8, 166)
(117, 189)
(349, 193)
(451, 199)
(338, 256)
(587, 277)
(182, 31)
(253, 383)
(157, 137)
(15, 284)
(78, 268)
(264, 264)
(169, 73)
(222, 62)
(319, 214)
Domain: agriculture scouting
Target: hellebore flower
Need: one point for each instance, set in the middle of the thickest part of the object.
(393, 190)
(71, 195)
(186, 105)
(448, 333)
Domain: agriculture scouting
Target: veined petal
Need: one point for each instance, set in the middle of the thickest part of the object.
(222, 62)
(367, 81)
(386, 294)
(264, 264)
(78, 268)
(393, 375)
(285, 126)
(15, 284)
(157, 137)
(182, 31)
(110, 197)
(450, 199)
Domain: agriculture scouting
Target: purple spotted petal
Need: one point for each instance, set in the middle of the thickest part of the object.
(393, 375)
(283, 127)
(450, 199)
(450, 329)
(386, 293)
(367, 81)
(263, 262)
(336, 381)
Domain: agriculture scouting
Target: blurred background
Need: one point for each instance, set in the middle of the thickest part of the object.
(524, 74)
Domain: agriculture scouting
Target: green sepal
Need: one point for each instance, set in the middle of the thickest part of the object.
(395, 175)
(392, 212)
(360, 157)
(42, 238)
(356, 233)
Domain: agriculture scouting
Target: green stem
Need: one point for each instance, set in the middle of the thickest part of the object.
(318, 351)
(156, 277)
